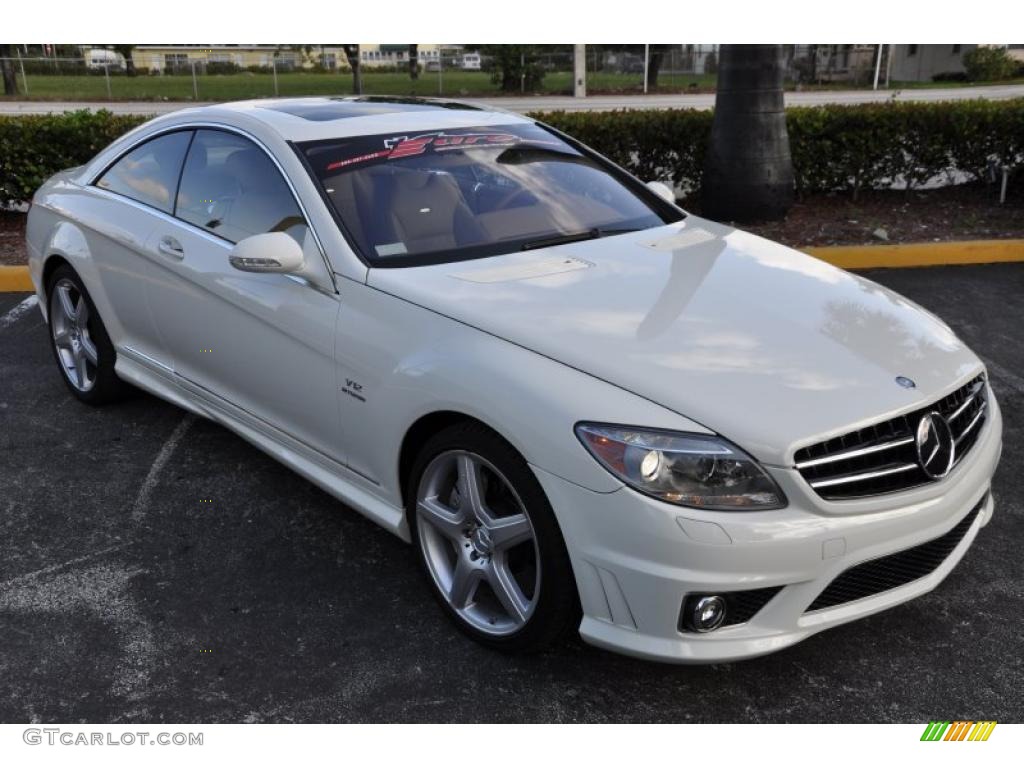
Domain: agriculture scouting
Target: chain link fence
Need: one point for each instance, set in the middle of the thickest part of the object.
(450, 71)
(178, 78)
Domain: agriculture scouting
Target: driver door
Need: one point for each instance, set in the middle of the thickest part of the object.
(264, 343)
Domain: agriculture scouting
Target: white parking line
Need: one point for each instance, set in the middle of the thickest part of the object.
(142, 499)
(32, 576)
(19, 311)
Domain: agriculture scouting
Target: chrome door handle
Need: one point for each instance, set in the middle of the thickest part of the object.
(171, 248)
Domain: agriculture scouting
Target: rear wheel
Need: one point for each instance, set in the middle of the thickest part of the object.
(81, 346)
(488, 541)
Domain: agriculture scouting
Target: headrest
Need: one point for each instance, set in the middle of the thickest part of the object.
(250, 167)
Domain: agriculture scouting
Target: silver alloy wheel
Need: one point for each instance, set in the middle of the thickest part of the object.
(72, 338)
(478, 542)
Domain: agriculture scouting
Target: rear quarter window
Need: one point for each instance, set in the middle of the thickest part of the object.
(149, 173)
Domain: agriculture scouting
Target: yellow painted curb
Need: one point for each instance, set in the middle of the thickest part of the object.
(919, 254)
(14, 279)
(846, 256)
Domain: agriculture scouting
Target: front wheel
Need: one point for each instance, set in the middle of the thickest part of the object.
(488, 541)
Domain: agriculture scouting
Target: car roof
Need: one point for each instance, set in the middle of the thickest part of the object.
(326, 117)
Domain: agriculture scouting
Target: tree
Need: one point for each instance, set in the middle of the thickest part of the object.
(7, 68)
(514, 67)
(414, 61)
(352, 54)
(987, 63)
(305, 52)
(656, 56)
(126, 53)
(748, 172)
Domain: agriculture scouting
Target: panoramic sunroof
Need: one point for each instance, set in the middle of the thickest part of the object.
(322, 110)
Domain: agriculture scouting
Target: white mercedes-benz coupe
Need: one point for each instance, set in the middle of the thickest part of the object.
(585, 408)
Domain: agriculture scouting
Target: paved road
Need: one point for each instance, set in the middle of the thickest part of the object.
(593, 103)
(124, 597)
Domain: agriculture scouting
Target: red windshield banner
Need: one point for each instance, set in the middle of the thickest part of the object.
(398, 147)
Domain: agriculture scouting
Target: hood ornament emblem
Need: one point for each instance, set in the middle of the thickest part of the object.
(906, 383)
(936, 448)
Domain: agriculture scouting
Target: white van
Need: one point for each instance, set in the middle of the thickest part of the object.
(98, 58)
(471, 61)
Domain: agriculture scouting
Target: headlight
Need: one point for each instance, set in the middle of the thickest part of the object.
(691, 470)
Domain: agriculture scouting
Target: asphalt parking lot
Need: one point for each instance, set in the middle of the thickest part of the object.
(156, 568)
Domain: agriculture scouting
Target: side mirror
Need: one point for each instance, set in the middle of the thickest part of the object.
(662, 190)
(269, 252)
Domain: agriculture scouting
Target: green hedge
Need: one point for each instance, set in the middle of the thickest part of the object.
(34, 147)
(835, 148)
(668, 144)
(865, 146)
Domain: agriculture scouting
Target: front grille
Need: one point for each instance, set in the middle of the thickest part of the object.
(882, 458)
(894, 570)
(740, 607)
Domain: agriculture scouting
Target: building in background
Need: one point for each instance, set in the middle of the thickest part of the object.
(847, 63)
(166, 58)
(375, 56)
(173, 58)
(921, 63)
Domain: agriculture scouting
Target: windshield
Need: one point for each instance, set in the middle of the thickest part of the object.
(466, 193)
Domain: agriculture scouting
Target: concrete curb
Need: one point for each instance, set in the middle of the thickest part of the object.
(16, 279)
(920, 254)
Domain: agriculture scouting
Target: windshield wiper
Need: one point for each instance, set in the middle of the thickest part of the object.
(590, 234)
(609, 231)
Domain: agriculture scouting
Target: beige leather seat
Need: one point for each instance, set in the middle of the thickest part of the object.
(429, 213)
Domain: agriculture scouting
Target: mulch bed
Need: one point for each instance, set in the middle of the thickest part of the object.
(967, 212)
(12, 238)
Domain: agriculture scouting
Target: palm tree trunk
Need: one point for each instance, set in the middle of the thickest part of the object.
(414, 61)
(7, 70)
(748, 172)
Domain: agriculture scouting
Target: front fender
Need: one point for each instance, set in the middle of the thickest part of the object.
(411, 362)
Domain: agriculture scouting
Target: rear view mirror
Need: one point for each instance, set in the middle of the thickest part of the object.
(269, 252)
(662, 190)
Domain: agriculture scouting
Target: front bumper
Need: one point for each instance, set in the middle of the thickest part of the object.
(635, 558)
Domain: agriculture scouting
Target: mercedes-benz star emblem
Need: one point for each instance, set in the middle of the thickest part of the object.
(906, 383)
(935, 445)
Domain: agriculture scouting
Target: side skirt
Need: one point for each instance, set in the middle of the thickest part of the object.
(329, 475)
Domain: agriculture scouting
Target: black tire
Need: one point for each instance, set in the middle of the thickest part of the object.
(106, 387)
(557, 612)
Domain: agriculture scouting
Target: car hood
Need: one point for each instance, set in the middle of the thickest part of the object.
(764, 345)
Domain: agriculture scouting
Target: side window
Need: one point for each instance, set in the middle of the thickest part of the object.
(231, 188)
(149, 173)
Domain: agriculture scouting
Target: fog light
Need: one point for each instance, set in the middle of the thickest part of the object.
(707, 613)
